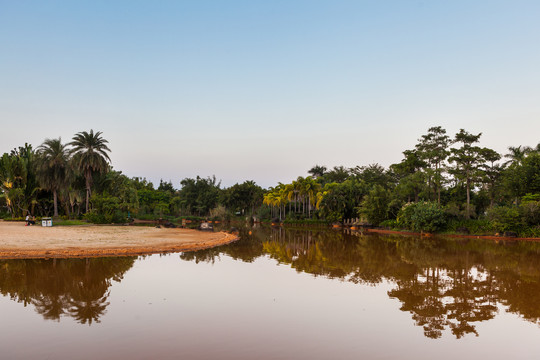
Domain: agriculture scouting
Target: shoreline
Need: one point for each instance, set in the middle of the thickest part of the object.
(409, 233)
(458, 236)
(32, 242)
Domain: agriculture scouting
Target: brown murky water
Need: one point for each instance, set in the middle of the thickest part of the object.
(280, 294)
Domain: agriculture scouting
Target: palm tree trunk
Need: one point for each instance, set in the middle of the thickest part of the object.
(55, 203)
(87, 199)
(88, 182)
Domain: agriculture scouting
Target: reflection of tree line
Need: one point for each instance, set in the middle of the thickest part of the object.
(63, 287)
(444, 283)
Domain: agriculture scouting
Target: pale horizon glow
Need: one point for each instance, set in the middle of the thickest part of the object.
(263, 91)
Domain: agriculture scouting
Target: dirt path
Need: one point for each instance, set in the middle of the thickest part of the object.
(21, 242)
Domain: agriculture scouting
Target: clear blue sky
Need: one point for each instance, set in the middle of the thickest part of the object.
(263, 90)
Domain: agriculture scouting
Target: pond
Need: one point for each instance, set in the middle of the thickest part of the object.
(281, 294)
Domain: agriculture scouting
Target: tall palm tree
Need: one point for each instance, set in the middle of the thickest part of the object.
(516, 154)
(90, 156)
(310, 189)
(53, 168)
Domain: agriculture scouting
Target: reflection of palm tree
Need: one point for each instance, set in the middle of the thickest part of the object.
(85, 308)
(72, 287)
(51, 308)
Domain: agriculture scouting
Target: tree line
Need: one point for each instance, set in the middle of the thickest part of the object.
(443, 183)
(76, 180)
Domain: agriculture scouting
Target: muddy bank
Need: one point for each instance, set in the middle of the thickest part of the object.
(25, 242)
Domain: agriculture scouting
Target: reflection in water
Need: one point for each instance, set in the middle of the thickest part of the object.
(63, 287)
(444, 283)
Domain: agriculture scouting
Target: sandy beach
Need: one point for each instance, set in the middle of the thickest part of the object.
(19, 242)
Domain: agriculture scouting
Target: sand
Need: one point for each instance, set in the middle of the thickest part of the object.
(18, 241)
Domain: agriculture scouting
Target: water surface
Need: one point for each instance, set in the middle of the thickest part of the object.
(281, 294)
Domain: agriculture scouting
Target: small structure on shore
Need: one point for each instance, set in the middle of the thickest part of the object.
(207, 226)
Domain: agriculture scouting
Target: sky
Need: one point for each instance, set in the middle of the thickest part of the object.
(264, 90)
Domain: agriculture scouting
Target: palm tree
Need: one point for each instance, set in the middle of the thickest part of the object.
(310, 189)
(517, 154)
(53, 167)
(90, 155)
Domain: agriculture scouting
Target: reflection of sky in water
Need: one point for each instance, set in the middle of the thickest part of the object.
(168, 307)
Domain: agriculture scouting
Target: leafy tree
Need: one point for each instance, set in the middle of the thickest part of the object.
(468, 160)
(524, 177)
(90, 156)
(18, 180)
(166, 186)
(411, 181)
(199, 195)
(375, 205)
(422, 216)
(116, 184)
(491, 172)
(433, 148)
(338, 201)
(243, 197)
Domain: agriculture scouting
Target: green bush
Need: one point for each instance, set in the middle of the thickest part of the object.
(106, 209)
(334, 216)
(117, 217)
(220, 213)
(475, 226)
(505, 218)
(530, 213)
(422, 216)
(314, 222)
(390, 224)
(190, 217)
(9, 218)
(375, 205)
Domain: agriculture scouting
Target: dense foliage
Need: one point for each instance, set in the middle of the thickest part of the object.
(443, 183)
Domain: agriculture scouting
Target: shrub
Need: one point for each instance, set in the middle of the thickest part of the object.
(219, 213)
(422, 216)
(504, 218)
(117, 217)
(530, 213)
(453, 210)
(389, 224)
(376, 205)
(474, 226)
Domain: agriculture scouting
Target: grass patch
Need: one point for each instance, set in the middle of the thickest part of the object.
(69, 222)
